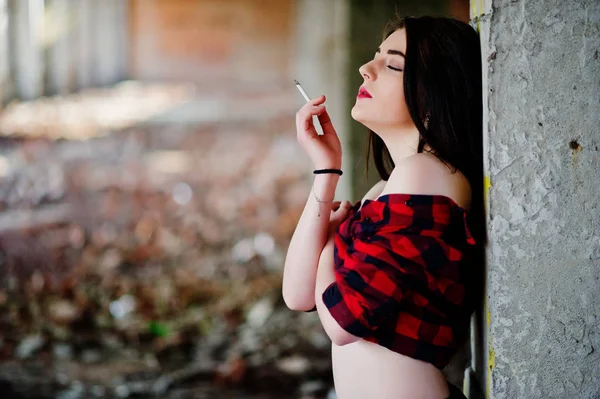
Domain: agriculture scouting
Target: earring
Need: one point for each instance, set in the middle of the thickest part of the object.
(426, 121)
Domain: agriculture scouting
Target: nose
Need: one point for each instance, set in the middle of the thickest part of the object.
(365, 71)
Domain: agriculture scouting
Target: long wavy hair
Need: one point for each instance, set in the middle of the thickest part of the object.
(442, 83)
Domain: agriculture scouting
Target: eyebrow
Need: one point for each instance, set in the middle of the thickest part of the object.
(393, 52)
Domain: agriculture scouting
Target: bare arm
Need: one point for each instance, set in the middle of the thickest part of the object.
(307, 244)
(308, 240)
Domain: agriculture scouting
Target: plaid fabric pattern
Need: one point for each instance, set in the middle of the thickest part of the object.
(400, 264)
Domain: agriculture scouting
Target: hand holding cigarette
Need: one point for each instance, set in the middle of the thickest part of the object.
(325, 150)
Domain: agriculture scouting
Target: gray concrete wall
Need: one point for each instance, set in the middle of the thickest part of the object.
(542, 67)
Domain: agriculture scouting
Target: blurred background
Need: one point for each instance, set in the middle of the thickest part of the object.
(150, 182)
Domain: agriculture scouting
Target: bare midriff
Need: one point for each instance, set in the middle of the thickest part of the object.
(363, 370)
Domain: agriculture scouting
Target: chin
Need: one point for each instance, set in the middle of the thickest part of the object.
(359, 116)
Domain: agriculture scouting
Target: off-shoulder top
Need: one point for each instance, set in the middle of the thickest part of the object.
(401, 264)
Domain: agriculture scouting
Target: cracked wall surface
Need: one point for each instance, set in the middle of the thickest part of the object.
(542, 88)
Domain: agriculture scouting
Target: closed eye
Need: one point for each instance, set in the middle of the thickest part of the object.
(389, 66)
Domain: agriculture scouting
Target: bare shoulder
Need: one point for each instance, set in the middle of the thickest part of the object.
(426, 174)
(375, 191)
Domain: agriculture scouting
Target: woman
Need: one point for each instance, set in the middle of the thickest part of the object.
(395, 277)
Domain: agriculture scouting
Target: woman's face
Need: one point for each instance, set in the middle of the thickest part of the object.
(384, 107)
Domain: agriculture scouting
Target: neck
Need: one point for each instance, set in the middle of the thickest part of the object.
(401, 142)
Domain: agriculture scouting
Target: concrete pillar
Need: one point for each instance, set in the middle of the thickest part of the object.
(60, 60)
(541, 85)
(102, 42)
(29, 25)
(322, 46)
(108, 40)
(4, 52)
(122, 36)
(85, 48)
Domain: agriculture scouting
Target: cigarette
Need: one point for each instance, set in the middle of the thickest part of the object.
(302, 91)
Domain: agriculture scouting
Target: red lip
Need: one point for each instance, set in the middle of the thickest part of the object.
(363, 93)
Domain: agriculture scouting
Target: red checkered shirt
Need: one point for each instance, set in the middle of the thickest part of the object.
(401, 268)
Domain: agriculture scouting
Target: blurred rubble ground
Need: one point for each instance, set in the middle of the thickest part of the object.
(143, 231)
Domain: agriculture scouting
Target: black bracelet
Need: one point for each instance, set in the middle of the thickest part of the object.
(320, 171)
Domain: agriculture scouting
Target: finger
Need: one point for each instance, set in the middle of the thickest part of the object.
(305, 120)
(340, 214)
(307, 124)
(308, 110)
(336, 205)
(344, 205)
(325, 122)
(317, 100)
(343, 209)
